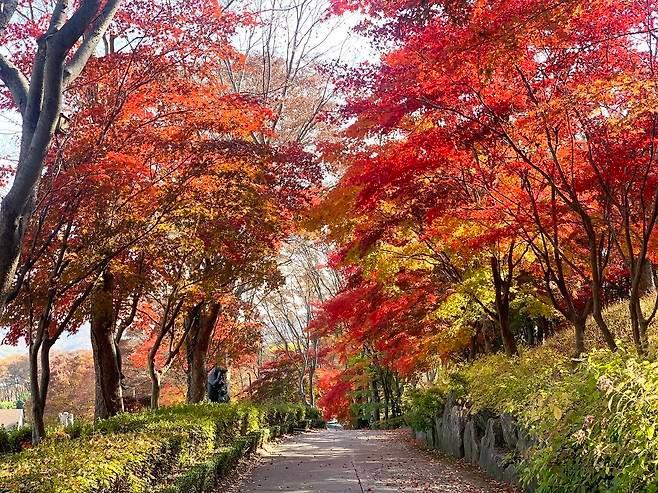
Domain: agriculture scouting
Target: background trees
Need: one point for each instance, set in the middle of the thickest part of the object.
(157, 210)
(484, 169)
(289, 311)
(221, 184)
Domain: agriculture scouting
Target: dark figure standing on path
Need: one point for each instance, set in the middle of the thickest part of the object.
(218, 385)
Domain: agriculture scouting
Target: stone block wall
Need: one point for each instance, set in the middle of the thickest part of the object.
(493, 442)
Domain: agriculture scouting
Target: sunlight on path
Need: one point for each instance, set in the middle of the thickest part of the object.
(360, 461)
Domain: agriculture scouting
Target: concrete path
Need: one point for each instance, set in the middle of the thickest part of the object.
(359, 461)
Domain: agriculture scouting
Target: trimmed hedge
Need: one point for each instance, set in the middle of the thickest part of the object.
(178, 449)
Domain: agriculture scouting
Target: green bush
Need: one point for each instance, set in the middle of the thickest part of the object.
(180, 447)
(533, 386)
(390, 424)
(605, 441)
(313, 413)
(13, 440)
(594, 422)
(424, 404)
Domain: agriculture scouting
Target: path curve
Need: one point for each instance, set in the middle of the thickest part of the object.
(358, 462)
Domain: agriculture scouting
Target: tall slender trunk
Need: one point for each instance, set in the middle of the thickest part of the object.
(398, 392)
(387, 395)
(639, 326)
(597, 294)
(502, 288)
(643, 284)
(40, 376)
(155, 387)
(647, 283)
(38, 406)
(301, 388)
(311, 385)
(487, 334)
(374, 389)
(579, 327)
(109, 395)
(597, 314)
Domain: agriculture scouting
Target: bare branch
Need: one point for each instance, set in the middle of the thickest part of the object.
(15, 81)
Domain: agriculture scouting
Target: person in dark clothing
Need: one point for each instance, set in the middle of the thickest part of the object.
(218, 385)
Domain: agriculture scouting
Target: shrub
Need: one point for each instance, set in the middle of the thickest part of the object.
(185, 446)
(594, 422)
(532, 387)
(390, 424)
(423, 406)
(606, 441)
(14, 439)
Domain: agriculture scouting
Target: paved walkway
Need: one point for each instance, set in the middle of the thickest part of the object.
(360, 461)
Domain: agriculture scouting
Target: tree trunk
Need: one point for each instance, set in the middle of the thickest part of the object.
(311, 385)
(197, 376)
(38, 426)
(202, 319)
(579, 326)
(639, 326)
(647, 281)
(376, 417)
(502, 289)
(155, 389)
(603, 327)
(398, 396)
(12, 230)
(486, 335)
(109, 395)
(509, 343)
(387, 395)
(155, 377)
(301, 388)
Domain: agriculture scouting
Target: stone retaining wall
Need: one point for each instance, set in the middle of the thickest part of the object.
(493, 442)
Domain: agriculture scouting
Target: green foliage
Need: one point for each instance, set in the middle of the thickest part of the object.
(423, 406)
(185, 447)
(13, 440)
(606, 440)
(594, 422)
(530, 387)
(390, 424)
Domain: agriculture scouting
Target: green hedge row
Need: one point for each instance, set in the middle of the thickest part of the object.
(186, 447)
(203, 477)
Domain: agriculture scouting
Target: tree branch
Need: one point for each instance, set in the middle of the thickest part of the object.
(15, 81)
(74, 67)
